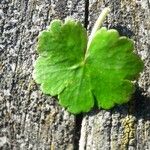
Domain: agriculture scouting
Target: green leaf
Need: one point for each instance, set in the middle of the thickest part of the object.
(101, 75)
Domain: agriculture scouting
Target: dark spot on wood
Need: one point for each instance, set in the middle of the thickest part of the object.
(123, 30)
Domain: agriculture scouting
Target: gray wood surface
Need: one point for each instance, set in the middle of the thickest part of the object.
(30, 120)
(128, 126)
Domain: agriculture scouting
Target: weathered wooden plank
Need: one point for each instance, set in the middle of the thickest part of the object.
(28, 119)
(128, 126)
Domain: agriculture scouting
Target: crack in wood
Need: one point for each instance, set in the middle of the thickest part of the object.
(79, 118)
(86, 14)
(78, 125)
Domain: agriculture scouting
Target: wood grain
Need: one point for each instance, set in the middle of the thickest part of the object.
(125, 127)
(29, 119)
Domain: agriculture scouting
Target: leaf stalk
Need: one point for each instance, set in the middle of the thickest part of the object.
(98, 24)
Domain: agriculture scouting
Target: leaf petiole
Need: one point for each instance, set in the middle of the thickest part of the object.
(98, 24)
